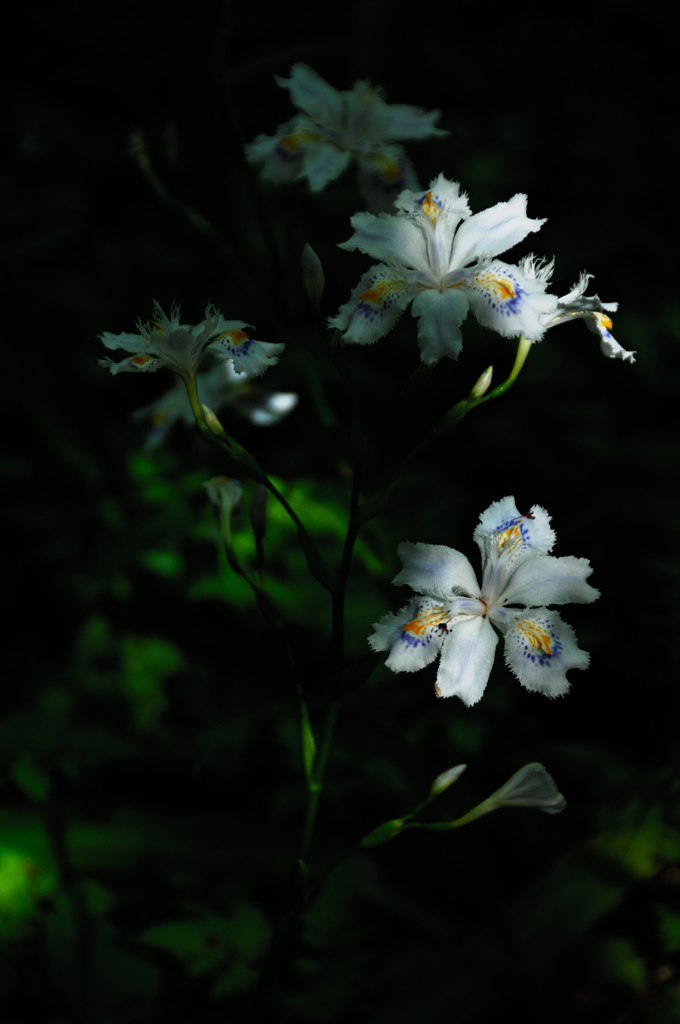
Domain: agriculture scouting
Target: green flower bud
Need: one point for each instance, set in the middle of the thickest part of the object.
(446, 779)
(383, 833)
(482, 385)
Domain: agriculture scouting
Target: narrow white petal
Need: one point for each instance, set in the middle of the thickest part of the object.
(311, 93)
(540, 649)
(281, 154)
(502, 298)
(374, 307)
(437, 570)
(503, 516)
(130, 342)
(135, 364)
(440, 316)
(389, 238)
(549, 580)
(506, 538)
(249, 356)
(467, 658)
(492, 231)
(384, 173)
(396, 121)
(413, 635)
(600, 324)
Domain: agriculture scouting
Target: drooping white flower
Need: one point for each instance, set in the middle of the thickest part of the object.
(335, 127)
(577, 305)
(220, 386)
(182, 348)
(438, 256)
(454, 615)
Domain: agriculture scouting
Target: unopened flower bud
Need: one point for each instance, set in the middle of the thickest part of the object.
(383, 833)
(211, 419)
(313, 280)
(224, 493)
(531, 786)
(482, 385)
(446, 779)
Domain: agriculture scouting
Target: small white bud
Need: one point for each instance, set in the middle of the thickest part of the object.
(482, 385)
(211, 419)
(446, 779)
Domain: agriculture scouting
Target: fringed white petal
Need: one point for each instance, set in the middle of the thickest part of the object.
(540, 649)
(440, 316)
(502, 298)
(548, 580)
(467, 659)
(493, 231)
(437, 570)
(413, 635)
(374, 307)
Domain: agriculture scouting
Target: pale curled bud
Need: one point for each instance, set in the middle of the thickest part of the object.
(446, 779)
(531, 786)
(224, 493)
(313, 280)
(212, 421)
(482, 385)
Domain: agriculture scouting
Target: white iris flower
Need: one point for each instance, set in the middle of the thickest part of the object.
(182, 348)
(336, 127)
(441, 258)
(454, 616)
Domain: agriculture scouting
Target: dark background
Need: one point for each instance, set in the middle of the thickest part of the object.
(152, 787)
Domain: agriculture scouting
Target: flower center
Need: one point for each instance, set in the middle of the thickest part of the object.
(430, 206)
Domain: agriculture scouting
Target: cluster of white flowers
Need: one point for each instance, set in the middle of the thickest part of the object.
(442, 260)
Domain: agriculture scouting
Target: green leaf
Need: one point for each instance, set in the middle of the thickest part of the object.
(308, 742)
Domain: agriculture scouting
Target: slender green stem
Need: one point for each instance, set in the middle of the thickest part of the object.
(316, 782)
(462, 408)
(345, 564)
(191, 385)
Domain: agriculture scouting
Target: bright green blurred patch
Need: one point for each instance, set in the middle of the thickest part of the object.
(23, 881)
(146, 664)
